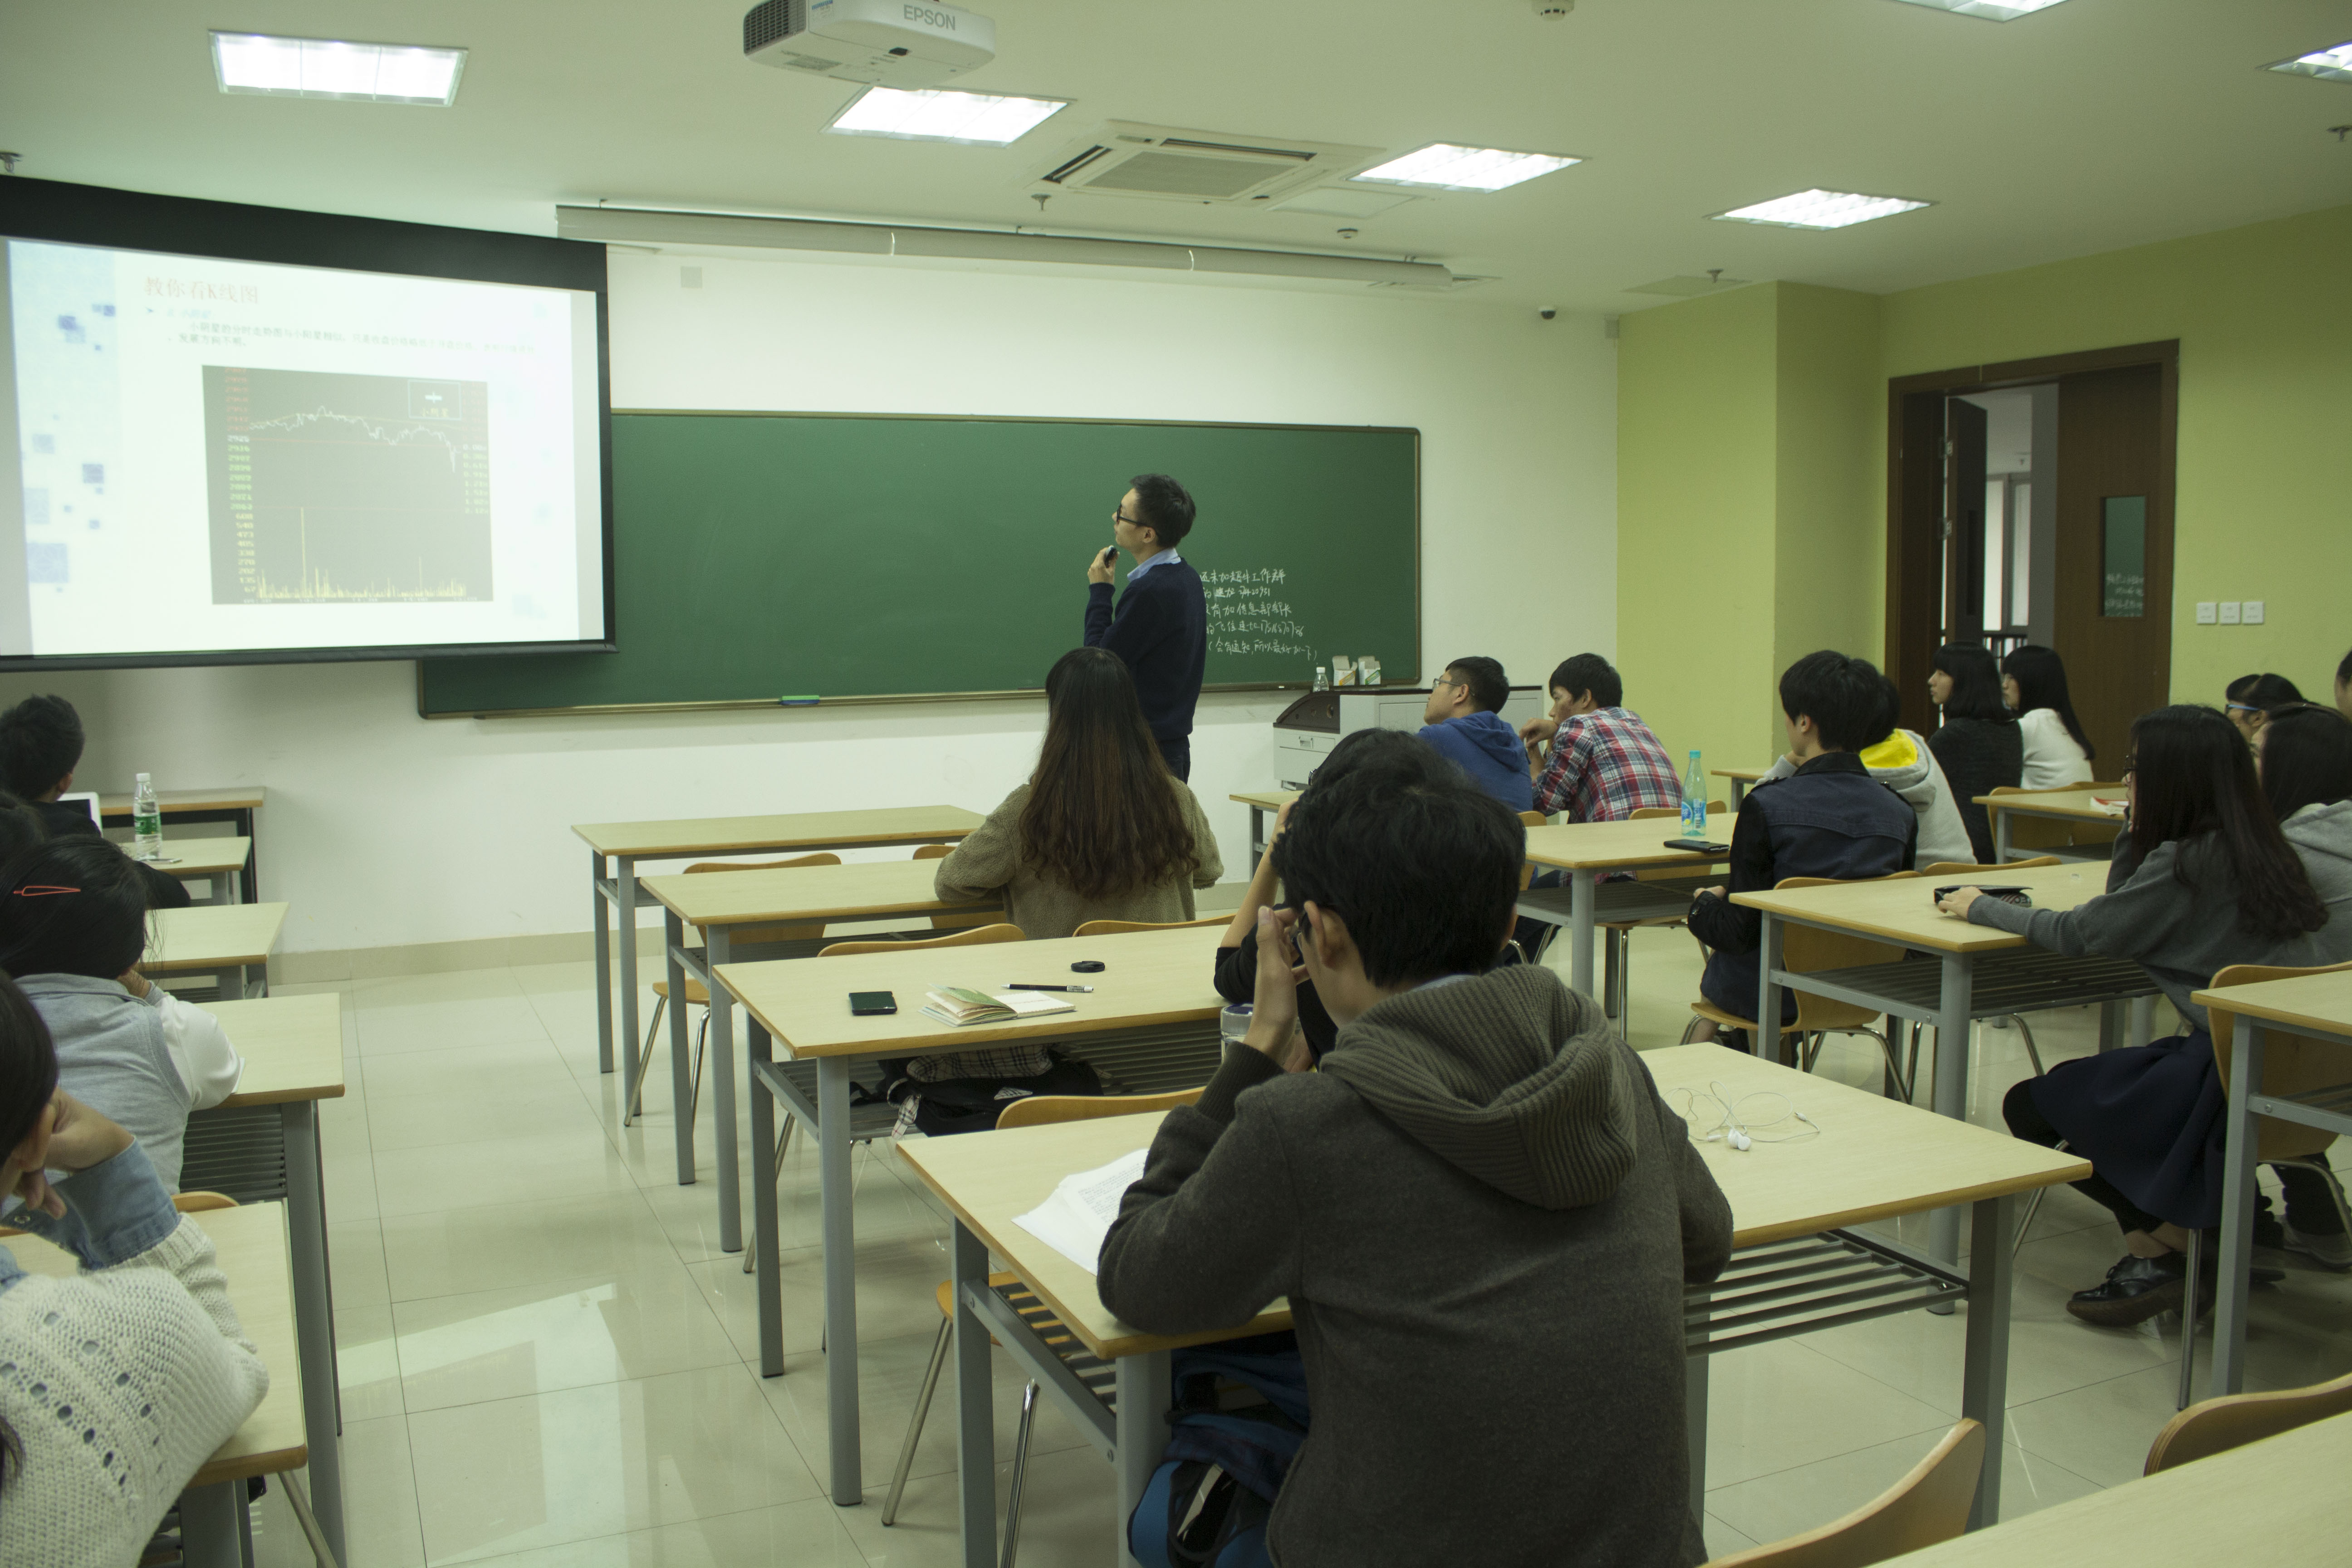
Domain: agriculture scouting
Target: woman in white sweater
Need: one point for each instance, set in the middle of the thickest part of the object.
(118, 1383)
(2057, 752)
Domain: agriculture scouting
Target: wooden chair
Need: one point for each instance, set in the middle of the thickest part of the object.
(698, 995)
(2213, 1426)
(950, 922)
(199, 1202)
(2049, 833)
(1036, 1111)
(975, 937)
(1805, 949)
(1929, 1505)
(1617, 972)
(1120, 928)
(2292, 1065)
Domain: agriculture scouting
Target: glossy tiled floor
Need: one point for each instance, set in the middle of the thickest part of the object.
(546, 1358)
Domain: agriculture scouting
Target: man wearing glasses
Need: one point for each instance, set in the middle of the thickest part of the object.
(1159, 628)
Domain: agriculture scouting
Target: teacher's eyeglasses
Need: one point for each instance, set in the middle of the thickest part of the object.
(1119, 516)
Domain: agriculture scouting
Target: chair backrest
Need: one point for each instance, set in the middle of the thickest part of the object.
(1040, 1109)
(1805, 949)
(747, 935)
(950, 922)
(2291, 1064)
(975, 937)
(1120, 927)
(2049, 832)
(2213, 1426)
(1966, 869)
(1929, 1505)
(201, 1202)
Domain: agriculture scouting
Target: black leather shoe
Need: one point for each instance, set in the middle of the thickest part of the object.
(2135, 1291)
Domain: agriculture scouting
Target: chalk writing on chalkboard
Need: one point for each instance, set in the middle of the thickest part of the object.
(1249, 613)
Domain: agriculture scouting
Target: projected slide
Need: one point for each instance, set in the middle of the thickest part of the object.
(244, 456)
(328, 486)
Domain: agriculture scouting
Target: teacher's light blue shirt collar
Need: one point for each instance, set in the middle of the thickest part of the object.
(1165, 555)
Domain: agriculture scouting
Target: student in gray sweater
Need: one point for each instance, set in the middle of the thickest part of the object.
(2202, 879)
(1480, 1208)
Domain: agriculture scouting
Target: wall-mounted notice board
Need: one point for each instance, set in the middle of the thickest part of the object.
(760, 556)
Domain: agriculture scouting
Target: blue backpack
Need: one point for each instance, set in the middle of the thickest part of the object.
(1239, 1418)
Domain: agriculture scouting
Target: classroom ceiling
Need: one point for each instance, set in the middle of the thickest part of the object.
(2092, 125)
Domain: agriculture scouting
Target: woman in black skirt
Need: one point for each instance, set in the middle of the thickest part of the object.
(2202, 879)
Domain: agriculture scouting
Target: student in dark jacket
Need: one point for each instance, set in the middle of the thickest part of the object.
(1480, 1208)
(41, 743)
(1979, 746)
(1464, 720)
(2202, 879)
(1830, 818)
(1160, 627)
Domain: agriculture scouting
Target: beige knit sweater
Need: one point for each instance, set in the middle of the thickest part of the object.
(988, 864)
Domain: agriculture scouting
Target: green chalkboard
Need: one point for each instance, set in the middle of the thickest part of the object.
(764, 555)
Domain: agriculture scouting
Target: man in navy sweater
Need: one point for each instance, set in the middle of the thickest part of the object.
(1161, 626)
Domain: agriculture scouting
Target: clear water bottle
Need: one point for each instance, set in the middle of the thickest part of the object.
(1322, 679)
(1695, 800)
(146, 821)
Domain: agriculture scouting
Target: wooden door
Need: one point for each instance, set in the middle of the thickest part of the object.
(2113, 589)
(1964, 520)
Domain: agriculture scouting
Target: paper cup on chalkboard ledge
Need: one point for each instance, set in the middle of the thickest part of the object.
(1343, 670)
(1368, 671)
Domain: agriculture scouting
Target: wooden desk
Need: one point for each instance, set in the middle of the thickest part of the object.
(251, 1244)
(207, 939)
(2076, 804)
(233, 805)
(1979, 971)
(717, 903)
(207, 859)
(1155, 994)
(1589, 851)
(1740, 779)
(2319, 1006)
(1260, 803)
(2280, 1501)
(1875, 1159)
(626, 843)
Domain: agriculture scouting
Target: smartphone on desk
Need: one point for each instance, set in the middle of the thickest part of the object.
(872, 1003)
(1698, 846)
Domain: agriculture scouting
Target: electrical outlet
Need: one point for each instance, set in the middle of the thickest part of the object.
(2229, 608)
(2204, 612)
(2253, 612)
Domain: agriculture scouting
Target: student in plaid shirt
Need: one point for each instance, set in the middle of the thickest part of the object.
(1604, 764)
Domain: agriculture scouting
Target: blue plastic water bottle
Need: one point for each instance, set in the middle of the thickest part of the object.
(1695, 800)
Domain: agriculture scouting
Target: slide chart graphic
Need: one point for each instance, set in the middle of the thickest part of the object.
(328, 487)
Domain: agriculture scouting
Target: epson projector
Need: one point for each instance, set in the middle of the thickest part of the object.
(885, 42)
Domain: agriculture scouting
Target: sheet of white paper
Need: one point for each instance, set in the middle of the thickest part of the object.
(1078, 1214)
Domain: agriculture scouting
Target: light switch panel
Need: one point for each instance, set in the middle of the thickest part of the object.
(2229, 612)
(2253, 612)
(2204, 612)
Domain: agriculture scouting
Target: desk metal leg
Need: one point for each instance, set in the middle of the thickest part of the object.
(1145, 1392)
(725, 1073)
(212, 1525)
(1580, 928)
(625, 906)
(2142, 1021)
(681, 1077)
(248, 880)
(976, 1419)
(1951, 1091)
(2237, 1206)
(1258, 836)
(2000, 836)
(763, 1209)
(314, 1316)
(1984, 1376)
(841, 1279)
(1772, 939)
(603, 937)
(1738, 794)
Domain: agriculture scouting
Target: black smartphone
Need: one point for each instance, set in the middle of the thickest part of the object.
(868, 1004)
(2022, 897)
(1700, 845)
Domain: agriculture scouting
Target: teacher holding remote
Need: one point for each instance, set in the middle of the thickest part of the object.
(1160, 626)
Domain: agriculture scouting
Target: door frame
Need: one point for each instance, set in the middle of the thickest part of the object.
(1915, 489)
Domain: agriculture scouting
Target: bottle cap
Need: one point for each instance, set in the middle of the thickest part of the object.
(142, 778)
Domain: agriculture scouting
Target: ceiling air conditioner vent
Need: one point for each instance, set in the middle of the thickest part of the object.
(1160, 164)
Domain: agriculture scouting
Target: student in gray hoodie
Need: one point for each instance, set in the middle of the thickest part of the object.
(1481, 1209)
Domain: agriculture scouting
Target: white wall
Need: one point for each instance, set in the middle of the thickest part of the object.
(383, 828)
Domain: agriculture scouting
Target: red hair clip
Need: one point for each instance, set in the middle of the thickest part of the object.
(42, 889)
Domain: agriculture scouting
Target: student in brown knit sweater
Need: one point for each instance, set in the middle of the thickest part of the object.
(1481, 1209)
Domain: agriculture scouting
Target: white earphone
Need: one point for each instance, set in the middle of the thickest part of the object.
(1738, 1139)
(1730, 1127)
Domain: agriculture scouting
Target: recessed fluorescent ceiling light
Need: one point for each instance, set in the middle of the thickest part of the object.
(1991, 10)
(1450, 168)
(934, 114)
(323, 68)
(1822, 209)
(2329, 65)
